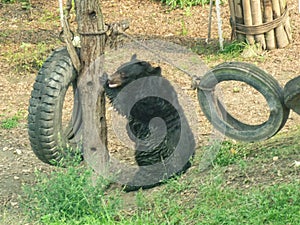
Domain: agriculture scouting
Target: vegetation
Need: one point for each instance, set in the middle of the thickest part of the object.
(14, 1)
(8, 1)
(212, 52)
(184, 3)
(229, 153)
(225, 193)
(29, 57)
(67, 196)
(12, 122)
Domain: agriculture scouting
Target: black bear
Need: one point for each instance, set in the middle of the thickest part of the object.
(164, 142)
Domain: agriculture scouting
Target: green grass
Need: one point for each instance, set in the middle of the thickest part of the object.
(214, 204)
(232, 51)
(173, 4)
(8, 1)
(66, 196)
(29, 57)
(212, 52)
(230, 153)
(11, 122)
(14, 1)
(177, 203)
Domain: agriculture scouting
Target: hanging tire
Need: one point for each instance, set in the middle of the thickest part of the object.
(226, 123)
(50, 140)
(292, 94)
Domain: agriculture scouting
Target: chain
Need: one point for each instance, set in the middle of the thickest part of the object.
(195, 79)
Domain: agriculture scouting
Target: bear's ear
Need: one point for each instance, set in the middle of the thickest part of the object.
(133, 57)
(155, 71)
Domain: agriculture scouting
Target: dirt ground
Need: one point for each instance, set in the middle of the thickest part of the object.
(147, 18)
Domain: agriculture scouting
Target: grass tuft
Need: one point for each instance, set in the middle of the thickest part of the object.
(230, 153)
(173, 4)
(11, 122)
(69, 195)
(231, 50)
(28, 57)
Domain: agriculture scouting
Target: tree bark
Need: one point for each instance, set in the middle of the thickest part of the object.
(94, 130)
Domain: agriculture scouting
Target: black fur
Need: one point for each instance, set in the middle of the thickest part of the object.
(155, 142)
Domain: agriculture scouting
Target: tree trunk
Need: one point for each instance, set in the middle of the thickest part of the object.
(94, 131)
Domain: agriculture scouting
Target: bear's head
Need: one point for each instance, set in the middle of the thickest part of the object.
(134, 70)
(131, 71)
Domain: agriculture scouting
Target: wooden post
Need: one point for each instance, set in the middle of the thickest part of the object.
(94, 133)
(257, 20)
(287, 25)
(281, 37)
(266, 20)
(232, 18)
(268, 17)
(239, 17)
(248, 19)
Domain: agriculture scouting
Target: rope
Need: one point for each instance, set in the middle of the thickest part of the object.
(101, 32)
(61, 12)
(68, 36)
(219, 18)
(262, 28)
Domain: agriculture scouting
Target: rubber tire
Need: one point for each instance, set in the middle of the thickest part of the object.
(226, 123)
(49, 140)
(292, 94)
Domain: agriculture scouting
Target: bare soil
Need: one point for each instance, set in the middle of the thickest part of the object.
(147, 19)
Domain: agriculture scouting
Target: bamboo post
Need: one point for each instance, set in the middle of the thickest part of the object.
(248, 20)
(287, 25)
(94, 131)
(280, 34)
(232, 18)
(257, 20)
(239, 17)
(268, 17)
(265, 22)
